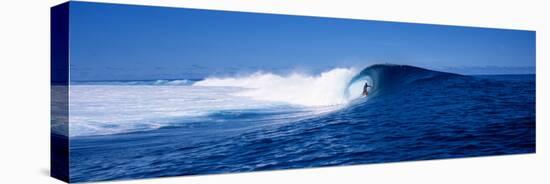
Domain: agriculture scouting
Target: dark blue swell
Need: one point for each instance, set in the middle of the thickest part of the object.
(417, 114)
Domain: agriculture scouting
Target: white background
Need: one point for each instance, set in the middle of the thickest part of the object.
(24, 94)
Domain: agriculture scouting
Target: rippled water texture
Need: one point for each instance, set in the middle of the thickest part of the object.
(412, 114)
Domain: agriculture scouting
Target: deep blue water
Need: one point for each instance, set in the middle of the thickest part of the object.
(411, 114)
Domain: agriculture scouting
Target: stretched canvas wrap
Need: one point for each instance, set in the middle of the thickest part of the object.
(143, 92)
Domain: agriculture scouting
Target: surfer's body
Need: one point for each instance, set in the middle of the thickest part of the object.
(365, 89)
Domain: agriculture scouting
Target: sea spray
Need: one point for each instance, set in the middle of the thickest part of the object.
(325, 89)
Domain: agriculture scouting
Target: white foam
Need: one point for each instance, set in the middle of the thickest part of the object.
(119, 108)
(110, 109)
(325, 89)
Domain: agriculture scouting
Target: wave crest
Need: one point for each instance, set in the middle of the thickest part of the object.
(334, 87)
(325, 89)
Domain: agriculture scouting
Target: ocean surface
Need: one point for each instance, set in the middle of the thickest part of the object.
(265, 121)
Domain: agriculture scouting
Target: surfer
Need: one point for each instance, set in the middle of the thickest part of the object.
(365, 89)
